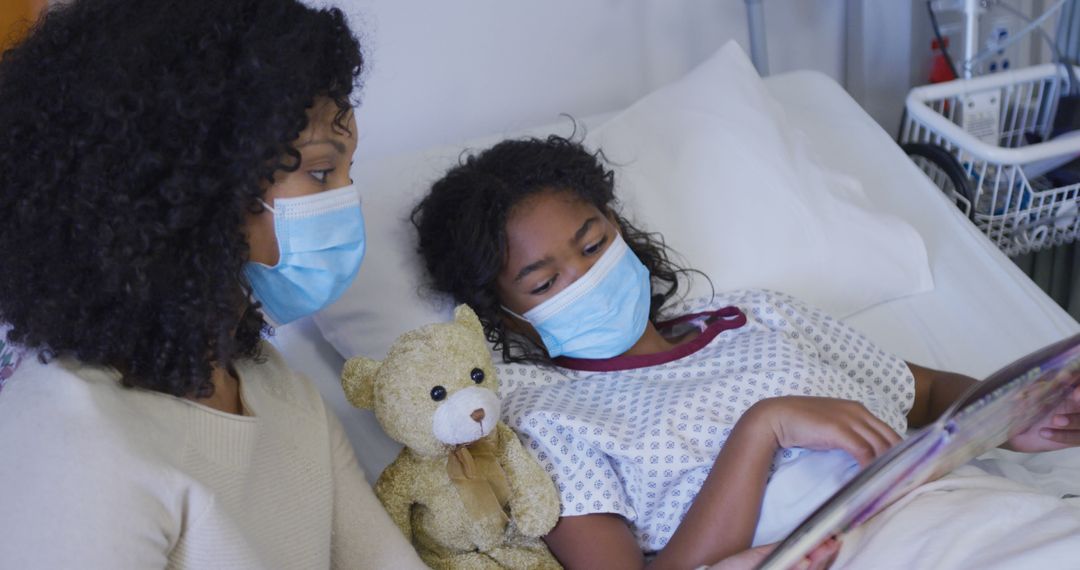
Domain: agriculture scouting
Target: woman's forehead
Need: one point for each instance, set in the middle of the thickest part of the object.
(321, 122)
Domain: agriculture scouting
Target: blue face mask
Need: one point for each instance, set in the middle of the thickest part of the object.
(321, 241)
(600, 315)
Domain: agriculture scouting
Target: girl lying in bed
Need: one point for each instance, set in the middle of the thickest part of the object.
(686, 429)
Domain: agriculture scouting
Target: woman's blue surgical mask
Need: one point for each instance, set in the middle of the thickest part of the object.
(321, 242)
(601, 314)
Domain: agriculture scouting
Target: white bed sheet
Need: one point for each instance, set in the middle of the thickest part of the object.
(982, 313)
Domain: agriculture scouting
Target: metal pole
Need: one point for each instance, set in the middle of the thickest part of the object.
(755, 17)
(971, 36)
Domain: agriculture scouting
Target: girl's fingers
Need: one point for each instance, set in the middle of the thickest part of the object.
(824, 555)
(883, 428)
(877, 442)
(1065, 421)
(856, 444)
(876, 430)
(1066, 436)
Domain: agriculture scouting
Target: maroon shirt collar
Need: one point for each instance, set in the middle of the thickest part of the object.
(727, 318)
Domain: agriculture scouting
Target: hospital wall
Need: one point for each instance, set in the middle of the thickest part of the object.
(441, 71)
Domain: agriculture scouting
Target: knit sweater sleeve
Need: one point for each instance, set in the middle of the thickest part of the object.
(363, 534)
(65, 474)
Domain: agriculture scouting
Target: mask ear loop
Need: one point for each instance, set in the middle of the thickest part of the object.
(538, 342)
(267, 206)
(519, 317)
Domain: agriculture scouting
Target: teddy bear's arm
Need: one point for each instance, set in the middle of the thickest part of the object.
(534, 502)
(395, 492)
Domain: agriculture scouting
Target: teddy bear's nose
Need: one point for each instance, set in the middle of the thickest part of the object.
(477, 415)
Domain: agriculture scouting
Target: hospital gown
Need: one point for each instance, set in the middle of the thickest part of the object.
(637, 436)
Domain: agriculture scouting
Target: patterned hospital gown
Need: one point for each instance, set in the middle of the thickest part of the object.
(639, 442)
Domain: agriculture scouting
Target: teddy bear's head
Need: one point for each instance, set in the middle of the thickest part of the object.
(435, 389)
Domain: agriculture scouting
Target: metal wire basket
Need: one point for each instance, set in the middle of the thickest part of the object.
(1014, 192)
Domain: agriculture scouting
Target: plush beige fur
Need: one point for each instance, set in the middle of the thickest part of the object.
(416, 489)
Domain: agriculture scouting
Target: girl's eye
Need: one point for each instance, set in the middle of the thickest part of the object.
(591, 249)
(321, 175)
(544, 287)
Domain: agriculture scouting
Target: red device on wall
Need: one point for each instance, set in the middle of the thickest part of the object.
(940, 71)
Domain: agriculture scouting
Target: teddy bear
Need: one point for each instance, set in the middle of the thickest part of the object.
(463, 490)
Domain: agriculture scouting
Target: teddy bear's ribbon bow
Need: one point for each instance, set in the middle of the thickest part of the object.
(480, 480)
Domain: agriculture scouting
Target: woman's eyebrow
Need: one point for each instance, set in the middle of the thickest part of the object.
(335, 143)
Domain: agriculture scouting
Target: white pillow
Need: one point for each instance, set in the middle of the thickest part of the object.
(708, 161)
(711, 163)
(385, 300)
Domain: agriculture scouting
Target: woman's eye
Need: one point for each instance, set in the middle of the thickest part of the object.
(591, 249)
(544, 287)
(320, 175)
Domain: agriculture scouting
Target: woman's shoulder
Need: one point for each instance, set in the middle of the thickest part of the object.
(78, 436)
(269, 377)
(55, 388)
(69, 408)
(68, 395)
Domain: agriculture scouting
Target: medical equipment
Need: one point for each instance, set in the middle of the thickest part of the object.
(755, 24)
(973, 11)
(999, 129)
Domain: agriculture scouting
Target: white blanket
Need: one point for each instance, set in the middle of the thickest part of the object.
(975, 518)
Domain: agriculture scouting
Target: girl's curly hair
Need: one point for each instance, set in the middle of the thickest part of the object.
(462, 226)
(135, 137)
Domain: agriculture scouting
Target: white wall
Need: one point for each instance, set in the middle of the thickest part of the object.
(444, 71)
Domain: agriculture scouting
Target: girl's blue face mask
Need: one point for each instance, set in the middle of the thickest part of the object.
(321, 244)
(601, 314)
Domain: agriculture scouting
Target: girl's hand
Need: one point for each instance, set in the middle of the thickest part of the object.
(1057, 430)
(826, 423)
(819, 559)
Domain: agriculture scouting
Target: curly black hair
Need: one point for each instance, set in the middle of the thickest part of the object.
(135, 137)
(462, 226)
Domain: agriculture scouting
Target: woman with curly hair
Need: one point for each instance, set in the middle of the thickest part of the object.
(687, 430)
(171, 172)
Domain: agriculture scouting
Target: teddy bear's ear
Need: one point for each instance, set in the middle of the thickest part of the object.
(464, 314)
(358, 380)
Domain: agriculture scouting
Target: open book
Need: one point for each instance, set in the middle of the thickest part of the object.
(1006, 403)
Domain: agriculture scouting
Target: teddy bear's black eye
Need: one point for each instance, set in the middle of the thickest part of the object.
(477, 375)
(438, 393)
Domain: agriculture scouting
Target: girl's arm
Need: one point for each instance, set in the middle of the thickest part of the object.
(723, 517)
(935, 391)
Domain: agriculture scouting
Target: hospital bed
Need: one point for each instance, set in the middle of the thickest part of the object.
(981, 313)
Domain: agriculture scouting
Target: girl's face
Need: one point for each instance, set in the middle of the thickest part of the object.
(553, 238)
(325, 158)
